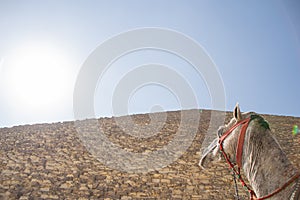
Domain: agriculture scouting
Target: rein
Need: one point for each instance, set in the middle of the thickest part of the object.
(239, 153)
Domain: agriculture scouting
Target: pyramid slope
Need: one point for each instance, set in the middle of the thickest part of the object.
(49, 161)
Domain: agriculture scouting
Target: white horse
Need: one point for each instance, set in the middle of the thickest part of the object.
(246, 143)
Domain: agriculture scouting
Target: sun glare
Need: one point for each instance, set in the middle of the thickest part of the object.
(37, 78)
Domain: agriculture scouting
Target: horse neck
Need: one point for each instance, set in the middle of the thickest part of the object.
(265, 164)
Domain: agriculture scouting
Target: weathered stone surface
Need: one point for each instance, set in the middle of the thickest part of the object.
(49, 161)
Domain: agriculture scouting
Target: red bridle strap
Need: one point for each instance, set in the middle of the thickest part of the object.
(239, 154)
(239, 149)
(245, 123)
(281, 188)
(225, 135)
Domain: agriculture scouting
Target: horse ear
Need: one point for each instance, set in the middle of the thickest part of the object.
(237, 112)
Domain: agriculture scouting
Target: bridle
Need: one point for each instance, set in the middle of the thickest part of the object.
(239, 153)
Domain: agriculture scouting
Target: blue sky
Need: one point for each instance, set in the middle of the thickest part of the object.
(255, 46)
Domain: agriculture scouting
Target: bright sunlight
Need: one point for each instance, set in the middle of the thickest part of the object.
(37, 78)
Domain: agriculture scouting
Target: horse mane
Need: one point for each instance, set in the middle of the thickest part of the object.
(261, 121)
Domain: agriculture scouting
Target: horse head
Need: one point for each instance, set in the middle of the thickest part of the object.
(211, 153)
(246, 143)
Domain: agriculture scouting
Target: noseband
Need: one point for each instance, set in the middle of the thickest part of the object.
(239, 154)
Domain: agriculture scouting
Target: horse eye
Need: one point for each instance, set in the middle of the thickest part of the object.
(220, 132)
